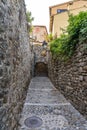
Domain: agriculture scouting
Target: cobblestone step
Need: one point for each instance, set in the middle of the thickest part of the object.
(45, 108)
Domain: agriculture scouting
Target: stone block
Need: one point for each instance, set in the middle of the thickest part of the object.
(1, 72)
(81, 78)
(85, 68)
(4, 1)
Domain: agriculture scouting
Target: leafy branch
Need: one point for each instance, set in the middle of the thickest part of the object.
(65, 46)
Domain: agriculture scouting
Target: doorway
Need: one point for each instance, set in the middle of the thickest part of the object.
(41, 69)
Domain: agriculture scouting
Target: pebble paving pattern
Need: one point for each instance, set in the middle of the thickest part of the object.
(45, 102)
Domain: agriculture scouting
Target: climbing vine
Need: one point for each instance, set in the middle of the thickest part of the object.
(76, 33)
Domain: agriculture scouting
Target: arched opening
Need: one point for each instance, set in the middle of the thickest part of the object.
(41, 69)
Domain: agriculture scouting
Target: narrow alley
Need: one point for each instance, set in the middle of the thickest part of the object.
(39, 67)
(45, 108)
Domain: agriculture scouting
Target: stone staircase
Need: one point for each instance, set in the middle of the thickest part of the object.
(45, 108)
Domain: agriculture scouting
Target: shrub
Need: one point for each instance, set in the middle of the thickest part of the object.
(65, 46)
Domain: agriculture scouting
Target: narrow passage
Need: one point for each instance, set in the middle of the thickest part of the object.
(45, 108)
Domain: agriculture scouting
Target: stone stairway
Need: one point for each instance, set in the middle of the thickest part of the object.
(46, 108)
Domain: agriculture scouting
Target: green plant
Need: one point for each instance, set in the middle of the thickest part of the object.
(83, 31)
(30, 19)
(49, 37)
(65, 46)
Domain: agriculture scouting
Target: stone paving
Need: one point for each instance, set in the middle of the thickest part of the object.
(46, 108)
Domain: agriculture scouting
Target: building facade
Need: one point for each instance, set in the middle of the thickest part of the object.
(59, 14)
(39, 34)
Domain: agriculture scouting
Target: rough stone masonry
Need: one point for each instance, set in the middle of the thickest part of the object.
(70, 77)
(15, 58)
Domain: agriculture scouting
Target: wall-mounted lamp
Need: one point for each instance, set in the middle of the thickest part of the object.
(44, 44)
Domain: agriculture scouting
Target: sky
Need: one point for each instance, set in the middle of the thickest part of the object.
(40, 10)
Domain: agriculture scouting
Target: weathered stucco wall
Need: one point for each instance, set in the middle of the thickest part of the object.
(61, 20)
(39, 33)
(14, 61)
(71, 78)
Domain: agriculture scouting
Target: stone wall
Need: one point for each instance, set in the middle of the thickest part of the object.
(14, 61)
(71, 77)
(40, 59)
(40, 53)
